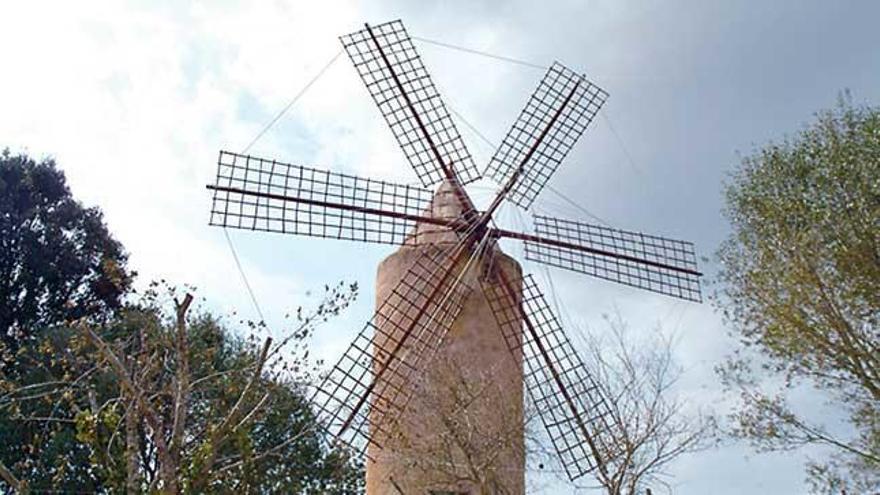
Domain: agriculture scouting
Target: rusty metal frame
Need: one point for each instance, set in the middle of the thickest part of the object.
(554, 118)
(653, 263)
(265, 195)
(360, 401)
(570, 403)
(401, 87)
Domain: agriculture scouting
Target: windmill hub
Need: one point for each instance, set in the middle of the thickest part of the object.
(447, 205)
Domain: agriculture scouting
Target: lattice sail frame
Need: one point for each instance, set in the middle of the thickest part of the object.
(361, 400)
(409, 102)
(657, 264)
(265, 195)
(563, 95)
(563, 391)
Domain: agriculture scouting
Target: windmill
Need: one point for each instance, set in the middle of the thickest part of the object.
(365, 395)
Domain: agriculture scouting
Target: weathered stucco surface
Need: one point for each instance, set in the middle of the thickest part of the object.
(463, 429)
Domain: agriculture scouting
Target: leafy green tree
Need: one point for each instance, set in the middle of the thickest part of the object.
(194, 407)
(58, 262)
(160, 400)
(800, 284)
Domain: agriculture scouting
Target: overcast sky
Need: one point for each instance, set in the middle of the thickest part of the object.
(135, 99)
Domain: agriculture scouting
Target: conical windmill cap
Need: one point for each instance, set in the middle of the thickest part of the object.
(448, 204)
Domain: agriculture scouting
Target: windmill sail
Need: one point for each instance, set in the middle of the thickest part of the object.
(396, 78)
(657, 264)
(365, 393)
(570, 403)
(363, 400)
(256, 194)
(548, 127)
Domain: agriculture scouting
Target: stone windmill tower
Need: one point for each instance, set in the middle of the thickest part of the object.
(463, 427)
(455, 315)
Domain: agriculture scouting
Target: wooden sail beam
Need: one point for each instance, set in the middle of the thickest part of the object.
(457, 225)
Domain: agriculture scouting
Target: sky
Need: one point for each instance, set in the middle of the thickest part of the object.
(135, 99)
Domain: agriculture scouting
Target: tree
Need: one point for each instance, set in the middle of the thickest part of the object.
(649, 427)
(159, 400)
(471, 423)
(477, 435)
(58, 262)
(800, 286)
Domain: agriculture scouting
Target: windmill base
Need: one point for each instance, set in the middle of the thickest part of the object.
(463, 431)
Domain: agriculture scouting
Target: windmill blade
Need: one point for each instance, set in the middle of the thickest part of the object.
(565, 395)
(548, 127)
(657, 264)
(362, 398)
(257, 194)
(393, 72)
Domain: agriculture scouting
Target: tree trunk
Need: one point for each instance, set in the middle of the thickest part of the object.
(7, 476)
(132, 449)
